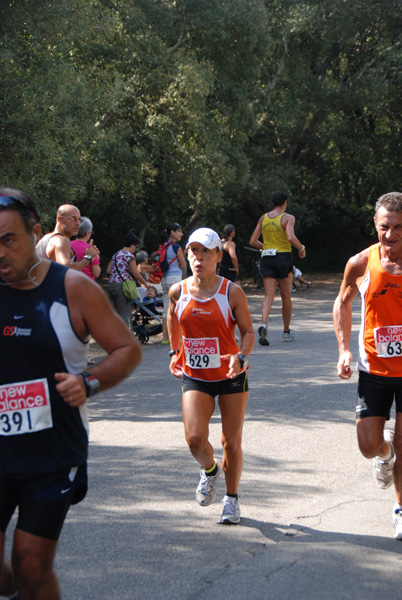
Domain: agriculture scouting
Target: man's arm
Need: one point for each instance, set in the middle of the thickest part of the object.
(342, 312)
(59, 250)
(91, 314)
(292, 238)
(137, 275)
(254, 241)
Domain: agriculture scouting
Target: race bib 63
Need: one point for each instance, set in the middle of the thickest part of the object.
(388, 341)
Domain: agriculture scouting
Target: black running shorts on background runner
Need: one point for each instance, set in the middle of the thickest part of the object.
(237, 385)
(376, 395)
(278, 266)
(43, 500)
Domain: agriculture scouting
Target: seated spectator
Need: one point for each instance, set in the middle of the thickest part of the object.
(298, 276)
(152, 302)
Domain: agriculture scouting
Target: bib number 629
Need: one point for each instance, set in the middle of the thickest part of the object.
(198, 361)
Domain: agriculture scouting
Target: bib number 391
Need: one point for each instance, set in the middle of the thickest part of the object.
(388, 341)
(202, 353)
(25, 407)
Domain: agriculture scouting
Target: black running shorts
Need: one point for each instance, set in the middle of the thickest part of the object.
(278, 266)
(376, 395)
(42, 500)
(237, 385)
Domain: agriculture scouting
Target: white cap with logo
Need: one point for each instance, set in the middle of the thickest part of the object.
(207, 237)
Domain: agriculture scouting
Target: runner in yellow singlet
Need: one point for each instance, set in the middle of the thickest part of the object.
(277, 231)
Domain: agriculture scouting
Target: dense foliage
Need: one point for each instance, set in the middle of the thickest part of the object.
(141, 112)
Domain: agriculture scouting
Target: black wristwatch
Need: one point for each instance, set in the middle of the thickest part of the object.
(173, 352)
(243, 360)
(91, 384)
(88, 257)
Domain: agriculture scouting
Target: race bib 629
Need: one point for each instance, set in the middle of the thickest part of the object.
(202, 353)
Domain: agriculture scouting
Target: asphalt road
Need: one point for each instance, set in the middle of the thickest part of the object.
(314, 523)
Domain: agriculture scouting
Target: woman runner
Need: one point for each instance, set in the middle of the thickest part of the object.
(203, 312)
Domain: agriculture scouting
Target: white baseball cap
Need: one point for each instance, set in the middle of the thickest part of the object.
(207, 237)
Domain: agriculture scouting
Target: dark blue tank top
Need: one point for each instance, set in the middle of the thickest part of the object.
(36, 341)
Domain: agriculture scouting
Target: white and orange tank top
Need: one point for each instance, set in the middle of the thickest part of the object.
(207, 333)
(380, 338)
(274, 235)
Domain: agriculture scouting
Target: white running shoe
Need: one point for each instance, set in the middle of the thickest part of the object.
(384, 469)
(231, 511)
(263, 333)
(289, 336)
(206, 491)
(397, 523)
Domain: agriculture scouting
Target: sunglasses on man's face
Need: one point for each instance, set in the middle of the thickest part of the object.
(10, 202)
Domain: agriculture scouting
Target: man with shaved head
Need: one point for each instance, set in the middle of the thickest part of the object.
(57, 246)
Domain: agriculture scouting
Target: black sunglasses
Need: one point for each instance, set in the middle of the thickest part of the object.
(18, 203)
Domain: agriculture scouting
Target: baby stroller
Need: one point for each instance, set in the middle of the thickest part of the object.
(145, 322)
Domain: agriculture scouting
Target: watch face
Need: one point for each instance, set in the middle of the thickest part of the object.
(92, 384)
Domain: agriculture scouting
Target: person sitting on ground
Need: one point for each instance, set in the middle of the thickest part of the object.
(298, 276)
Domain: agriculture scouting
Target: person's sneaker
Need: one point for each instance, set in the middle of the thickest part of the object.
(206, 491)
(231, 511)
(293, 288)
(397, 523)
(384, 469)
(288, 336)
(263, 333)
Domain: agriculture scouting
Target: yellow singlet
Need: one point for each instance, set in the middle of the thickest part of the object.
(274, 235)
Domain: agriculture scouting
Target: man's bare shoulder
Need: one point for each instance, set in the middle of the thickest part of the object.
(358, 262)
(288, 218)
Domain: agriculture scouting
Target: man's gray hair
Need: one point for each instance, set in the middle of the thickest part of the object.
(86, 225)
(391, 202)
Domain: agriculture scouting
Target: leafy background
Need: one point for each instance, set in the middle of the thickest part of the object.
(143, 112)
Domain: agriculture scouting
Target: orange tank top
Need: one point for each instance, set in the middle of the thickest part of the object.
(380, 338)
(207, 333)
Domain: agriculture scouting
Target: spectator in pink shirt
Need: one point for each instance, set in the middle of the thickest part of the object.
(80, 246)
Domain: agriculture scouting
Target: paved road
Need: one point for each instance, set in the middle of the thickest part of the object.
(314, 523)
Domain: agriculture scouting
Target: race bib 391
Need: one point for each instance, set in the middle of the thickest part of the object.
(25, 407)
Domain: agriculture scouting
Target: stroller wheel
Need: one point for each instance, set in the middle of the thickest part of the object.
(142, 338)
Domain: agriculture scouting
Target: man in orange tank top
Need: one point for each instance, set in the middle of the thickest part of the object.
(376, 273)
(277, 229)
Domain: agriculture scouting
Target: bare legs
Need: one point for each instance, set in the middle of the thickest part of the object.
(32, 568)
(285, 286)
(197, 412)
